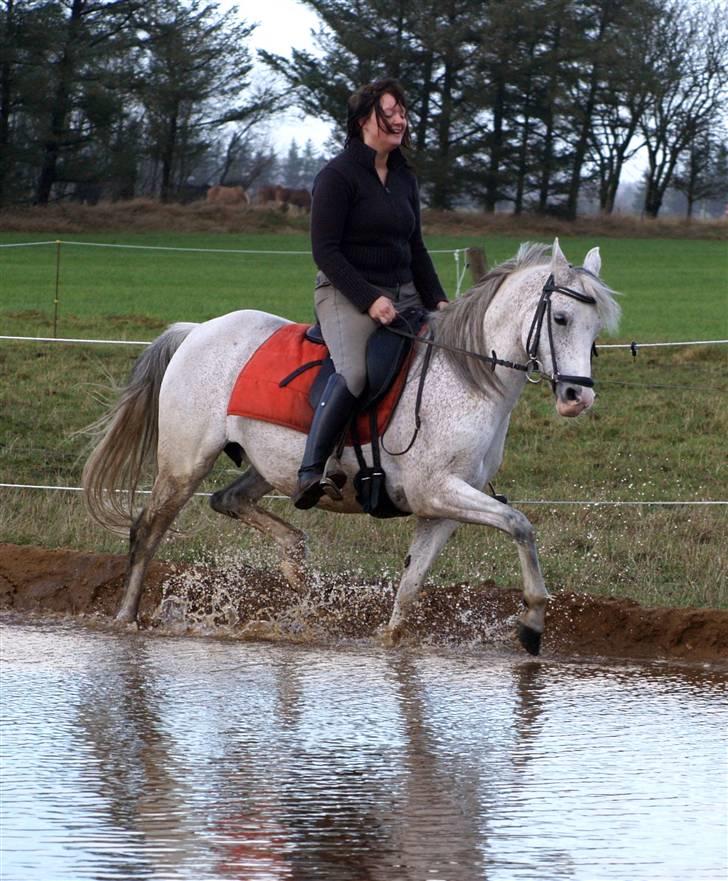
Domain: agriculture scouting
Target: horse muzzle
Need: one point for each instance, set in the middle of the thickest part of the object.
(571, 400)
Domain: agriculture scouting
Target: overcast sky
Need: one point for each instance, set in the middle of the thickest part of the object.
(284, 25)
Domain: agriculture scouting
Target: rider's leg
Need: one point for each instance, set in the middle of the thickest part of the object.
(346, 331)
(329, 421)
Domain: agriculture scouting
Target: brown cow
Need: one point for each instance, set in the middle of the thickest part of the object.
(300, 199)
(285, 198)
(282, 197)
(266, 194)
(220, 195)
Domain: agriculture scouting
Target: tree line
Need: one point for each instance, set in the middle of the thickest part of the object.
(523, 105)
(134, 94)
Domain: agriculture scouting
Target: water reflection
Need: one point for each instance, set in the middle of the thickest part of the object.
(127, 756)
(132, 773)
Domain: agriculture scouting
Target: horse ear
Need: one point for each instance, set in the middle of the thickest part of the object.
(557, 256)
(593, 261)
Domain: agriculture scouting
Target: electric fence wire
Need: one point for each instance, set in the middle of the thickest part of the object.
(575, 502)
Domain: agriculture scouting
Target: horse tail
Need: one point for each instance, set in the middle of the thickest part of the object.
(128, 436)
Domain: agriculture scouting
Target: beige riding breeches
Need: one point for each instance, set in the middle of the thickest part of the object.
(346, 330)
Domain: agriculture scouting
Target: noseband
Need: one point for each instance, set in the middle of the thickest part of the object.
(534, 369)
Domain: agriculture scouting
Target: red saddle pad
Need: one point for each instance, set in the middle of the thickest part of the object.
(258, 395)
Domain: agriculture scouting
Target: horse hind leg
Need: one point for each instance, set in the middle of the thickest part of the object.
(169, 495)
(238, 500)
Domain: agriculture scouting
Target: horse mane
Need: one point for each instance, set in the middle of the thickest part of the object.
(461, 324)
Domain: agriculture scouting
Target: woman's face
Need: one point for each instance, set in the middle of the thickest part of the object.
(380, 139)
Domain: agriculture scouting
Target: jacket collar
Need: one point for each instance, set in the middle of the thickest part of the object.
(365, 156)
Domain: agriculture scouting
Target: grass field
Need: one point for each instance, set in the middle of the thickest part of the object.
(659, 437)
(669, 285)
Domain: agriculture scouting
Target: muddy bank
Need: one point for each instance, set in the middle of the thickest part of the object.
(147, 215)
(257, 603)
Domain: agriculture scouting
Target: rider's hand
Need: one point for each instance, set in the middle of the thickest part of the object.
(382, 310)
(442, 303)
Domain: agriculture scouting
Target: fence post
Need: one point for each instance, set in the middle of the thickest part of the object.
(58, 285)
(477, 262)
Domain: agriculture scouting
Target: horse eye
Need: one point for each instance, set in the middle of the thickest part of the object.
(560, 318)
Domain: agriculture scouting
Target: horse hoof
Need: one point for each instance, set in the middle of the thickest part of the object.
(388, 637)
(217, 503)
(529, 638)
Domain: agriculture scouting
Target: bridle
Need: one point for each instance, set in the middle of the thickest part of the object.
(532, 368)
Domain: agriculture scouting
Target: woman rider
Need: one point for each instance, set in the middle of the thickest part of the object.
(367, 243)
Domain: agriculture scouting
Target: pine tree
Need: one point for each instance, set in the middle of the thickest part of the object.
(194, 78)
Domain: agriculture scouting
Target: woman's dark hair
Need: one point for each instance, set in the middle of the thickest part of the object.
(368, 98)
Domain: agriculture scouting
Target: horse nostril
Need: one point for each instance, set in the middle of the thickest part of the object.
(571, 394)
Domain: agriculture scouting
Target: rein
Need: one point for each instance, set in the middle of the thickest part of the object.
(532, 368)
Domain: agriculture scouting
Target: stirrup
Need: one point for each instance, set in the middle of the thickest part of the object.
(333, 480)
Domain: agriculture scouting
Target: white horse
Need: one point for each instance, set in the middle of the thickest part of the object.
(535, 311)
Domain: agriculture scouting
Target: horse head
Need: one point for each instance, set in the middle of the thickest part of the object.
(540, 315)
(575, 305)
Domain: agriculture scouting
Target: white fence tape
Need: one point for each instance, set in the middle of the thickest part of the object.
(27, 244)
(59, 339)
(56, 339)
(190, 250)
(660, 345)
(579, 502)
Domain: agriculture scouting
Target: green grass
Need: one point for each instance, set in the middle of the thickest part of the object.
(669, 285)
(638, 443)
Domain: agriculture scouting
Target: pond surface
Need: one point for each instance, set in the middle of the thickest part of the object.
(138, 756)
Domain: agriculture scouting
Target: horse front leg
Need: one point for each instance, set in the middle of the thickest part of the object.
(458, 500)
(429, 539)
(238, 500)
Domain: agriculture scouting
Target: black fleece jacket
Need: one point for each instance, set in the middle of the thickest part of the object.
(365, 235)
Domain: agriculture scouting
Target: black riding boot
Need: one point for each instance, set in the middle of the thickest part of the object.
(329, 421)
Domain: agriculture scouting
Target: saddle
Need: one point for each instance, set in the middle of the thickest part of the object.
(284, 379)
(386, 355)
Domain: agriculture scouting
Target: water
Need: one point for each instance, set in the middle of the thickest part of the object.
(136, 756)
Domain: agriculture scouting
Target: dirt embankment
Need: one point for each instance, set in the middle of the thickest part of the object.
(147, 215)
(75, 583)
